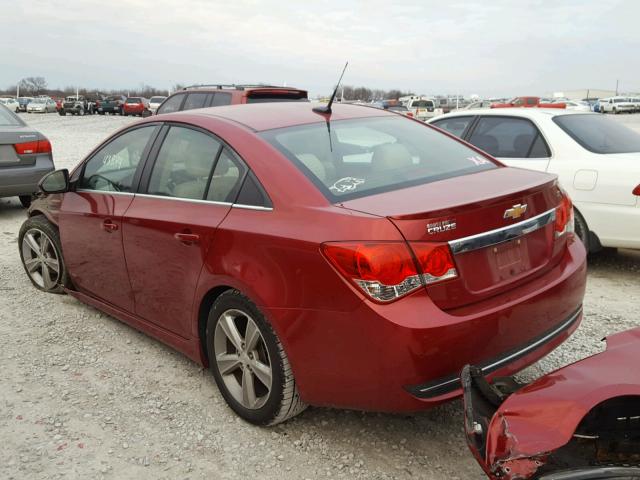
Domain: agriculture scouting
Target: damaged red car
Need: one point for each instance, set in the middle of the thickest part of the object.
(580, 422)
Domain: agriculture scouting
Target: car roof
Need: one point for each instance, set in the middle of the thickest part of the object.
(271, 115)
(236, 88)
(515, 112)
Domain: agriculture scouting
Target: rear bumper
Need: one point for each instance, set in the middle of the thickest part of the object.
(24, 180)
(378, 357)
(451, 383)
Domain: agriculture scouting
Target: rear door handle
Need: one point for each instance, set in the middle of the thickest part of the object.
(109, 226)
(187, 238)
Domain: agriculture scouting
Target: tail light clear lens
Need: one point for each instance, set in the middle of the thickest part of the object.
(386, 271)
(27, 148)
(564, 216)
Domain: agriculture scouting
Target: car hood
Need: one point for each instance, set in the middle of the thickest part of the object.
(534, 430)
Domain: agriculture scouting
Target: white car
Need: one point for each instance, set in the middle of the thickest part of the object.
(155, 102)
(577, 105)
(597, 160)
(422, 108)
(11, 103)
(617, 105)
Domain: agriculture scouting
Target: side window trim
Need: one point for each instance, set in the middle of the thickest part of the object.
(135, 183)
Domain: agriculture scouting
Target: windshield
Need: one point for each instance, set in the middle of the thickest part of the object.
(8, 119)
(157, 99)
(259, 97)
(372, 155)
(599, 134)
(38, 100)
(133, 100)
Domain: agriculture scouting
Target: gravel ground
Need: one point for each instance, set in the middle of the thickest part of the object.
(85, 396)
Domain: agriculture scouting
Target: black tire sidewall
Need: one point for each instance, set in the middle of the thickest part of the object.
(233, 299)
(40, 222)
(581, 229)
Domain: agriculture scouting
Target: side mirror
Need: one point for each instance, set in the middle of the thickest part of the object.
(55, 182)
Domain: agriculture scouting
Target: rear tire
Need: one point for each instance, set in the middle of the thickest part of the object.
(240, 369)
(41, 255)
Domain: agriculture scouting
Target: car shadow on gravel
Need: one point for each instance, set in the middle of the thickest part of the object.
(611, 260)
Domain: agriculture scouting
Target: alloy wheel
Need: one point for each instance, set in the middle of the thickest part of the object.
(40, 259)
(242, 359)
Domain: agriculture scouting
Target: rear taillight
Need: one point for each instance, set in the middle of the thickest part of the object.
(39, 146)
(636, 191)
(410, 114)
(564, 216)
(386, 271)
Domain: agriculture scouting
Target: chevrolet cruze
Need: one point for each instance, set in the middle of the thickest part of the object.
(356, 259)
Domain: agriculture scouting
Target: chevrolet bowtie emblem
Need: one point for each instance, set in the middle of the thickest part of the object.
(515, 212)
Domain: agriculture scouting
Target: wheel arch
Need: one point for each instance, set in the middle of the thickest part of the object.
(594, 240)
(204, 307)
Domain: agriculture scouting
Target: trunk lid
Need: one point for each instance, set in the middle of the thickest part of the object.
(9, 137)
(499, 224)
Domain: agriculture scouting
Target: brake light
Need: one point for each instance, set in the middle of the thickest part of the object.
(636, 191)
(386, 271)
(564, 216)
(27, 148)
(410, 114)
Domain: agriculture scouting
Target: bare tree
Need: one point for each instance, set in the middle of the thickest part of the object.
(33, 85)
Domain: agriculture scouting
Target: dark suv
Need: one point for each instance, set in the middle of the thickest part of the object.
(201, 96)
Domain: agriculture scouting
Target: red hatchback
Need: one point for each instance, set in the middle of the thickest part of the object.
(358, 259)
(136, 106)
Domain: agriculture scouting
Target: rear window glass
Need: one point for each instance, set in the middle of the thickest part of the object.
(361, 157)
(599, 134)
(133, 100)
(422, 104)
(157, 99)
(8, 119)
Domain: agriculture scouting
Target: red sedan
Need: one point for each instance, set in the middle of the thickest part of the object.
(356, 259)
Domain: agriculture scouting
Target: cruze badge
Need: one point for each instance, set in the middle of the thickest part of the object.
(439, 227)
(515, 212)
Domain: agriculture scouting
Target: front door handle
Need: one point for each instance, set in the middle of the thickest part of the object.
(109, 226)
(187, 238)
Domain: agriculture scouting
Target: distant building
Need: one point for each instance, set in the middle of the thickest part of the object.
(582, 94)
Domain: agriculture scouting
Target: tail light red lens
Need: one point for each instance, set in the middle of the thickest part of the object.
(38, 146)
(564, 216)
(386, 271)
(636, 191)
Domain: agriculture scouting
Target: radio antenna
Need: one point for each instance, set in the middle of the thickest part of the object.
(327, 108)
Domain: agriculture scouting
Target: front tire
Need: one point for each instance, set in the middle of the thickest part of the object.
(249, 363)
(41, 255)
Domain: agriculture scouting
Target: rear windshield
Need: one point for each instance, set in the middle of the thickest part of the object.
(157, 99)
(8, 119)
(599, 134)
(276, 97)
(133, 100)
(361, 157)
(422, 103)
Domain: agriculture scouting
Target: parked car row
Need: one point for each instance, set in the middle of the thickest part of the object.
(619, 105)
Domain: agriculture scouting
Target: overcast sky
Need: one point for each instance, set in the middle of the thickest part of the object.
(491, 48)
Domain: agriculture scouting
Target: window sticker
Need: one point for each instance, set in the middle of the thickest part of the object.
(478, 160)
(346, 184)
